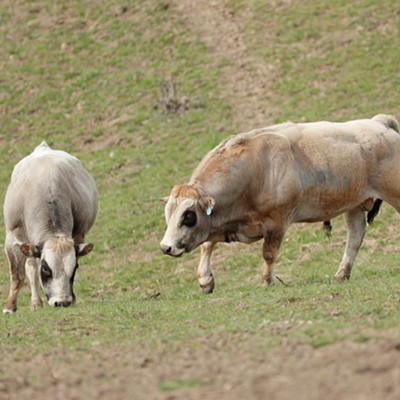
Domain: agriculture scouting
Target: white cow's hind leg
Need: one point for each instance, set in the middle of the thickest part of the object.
(32, 271)
(356, 226)
(206, 279)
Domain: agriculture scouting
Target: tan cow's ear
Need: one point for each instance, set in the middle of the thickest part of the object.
(30, 250)
(164, 200)
(207, 204)
(83, 249)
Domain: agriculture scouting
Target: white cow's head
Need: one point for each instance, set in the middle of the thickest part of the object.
(57, 263)
(188, 216)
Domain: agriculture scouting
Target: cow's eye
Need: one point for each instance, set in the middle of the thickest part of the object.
(189, 219)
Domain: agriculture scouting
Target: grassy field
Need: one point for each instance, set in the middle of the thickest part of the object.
(88, 77)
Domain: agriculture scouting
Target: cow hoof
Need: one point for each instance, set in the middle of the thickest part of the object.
(208, 289)
(340, 278)
(267, 281)
(207, 284)
(36, 305)
(7, 311)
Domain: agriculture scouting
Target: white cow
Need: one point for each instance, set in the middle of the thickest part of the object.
(50, 205)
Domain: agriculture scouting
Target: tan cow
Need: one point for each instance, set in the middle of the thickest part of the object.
(50, 205)
(254, 185)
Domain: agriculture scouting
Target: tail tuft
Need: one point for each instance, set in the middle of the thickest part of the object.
(374, 211)
(328, 228)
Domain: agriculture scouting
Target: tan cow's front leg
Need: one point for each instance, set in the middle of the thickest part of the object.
(206, 279)
(356, 226)
(271, 245)
(17, 276)
(32, 270)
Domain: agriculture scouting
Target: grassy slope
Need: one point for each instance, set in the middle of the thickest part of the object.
(87, 79)
(336, 60)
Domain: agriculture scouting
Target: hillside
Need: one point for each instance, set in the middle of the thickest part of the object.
(140, 91)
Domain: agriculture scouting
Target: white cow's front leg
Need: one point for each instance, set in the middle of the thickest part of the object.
(32, 271)
(356, 226)
(206, 279)
(17, 276)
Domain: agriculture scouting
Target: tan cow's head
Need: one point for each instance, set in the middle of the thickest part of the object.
(188, 216)
(57, 264)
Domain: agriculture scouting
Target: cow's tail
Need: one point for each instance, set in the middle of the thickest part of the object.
(374, 211)
(327, 225)
(328, 228)
(388, 120)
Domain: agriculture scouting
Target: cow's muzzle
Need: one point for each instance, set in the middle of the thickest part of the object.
(171, 251)
(166, 249)
(62, 303)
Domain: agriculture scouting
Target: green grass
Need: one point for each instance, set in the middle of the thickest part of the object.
(87, 79)
(310, 309)
(336, 59)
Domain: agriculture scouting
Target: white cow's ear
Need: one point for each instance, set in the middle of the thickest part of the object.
(164, 200)
(207, 204)
(83, 249)
(30, 250)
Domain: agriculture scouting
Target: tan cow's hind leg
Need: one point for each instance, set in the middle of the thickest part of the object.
(206, 279)
(17, 275)
(356, 226)
(271, 245)
(31, 267)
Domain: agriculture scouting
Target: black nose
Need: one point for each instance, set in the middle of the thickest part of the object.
(62, 303)
(166, 249)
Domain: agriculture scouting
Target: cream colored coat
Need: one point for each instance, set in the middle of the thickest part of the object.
(50, 205)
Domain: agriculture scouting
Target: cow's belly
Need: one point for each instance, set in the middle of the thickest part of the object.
(245, 233)
(322, 211)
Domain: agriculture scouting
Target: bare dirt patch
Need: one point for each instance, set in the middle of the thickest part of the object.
(210, 369)
(246, 79)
